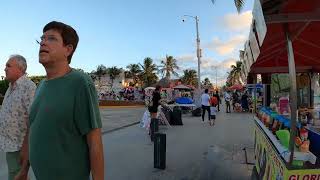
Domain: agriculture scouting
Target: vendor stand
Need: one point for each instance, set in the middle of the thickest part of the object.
(182, 91)
(284, 39)
(257, 95)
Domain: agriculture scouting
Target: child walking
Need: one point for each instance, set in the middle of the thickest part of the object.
(213, 110)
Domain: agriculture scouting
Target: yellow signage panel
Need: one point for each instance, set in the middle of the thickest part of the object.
(269, 164)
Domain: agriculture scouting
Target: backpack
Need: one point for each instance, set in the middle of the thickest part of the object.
(213, 101)
(227, 97)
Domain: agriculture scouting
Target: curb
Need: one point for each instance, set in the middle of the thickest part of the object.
(119, 128)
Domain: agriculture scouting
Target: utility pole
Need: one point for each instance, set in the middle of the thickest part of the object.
(196, 18)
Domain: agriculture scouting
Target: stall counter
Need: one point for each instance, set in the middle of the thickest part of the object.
(270, 157)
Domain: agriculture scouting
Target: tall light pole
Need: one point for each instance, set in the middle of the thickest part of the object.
(216, 76)
(198, 48)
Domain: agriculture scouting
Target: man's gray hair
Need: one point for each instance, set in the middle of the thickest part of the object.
(21, 61)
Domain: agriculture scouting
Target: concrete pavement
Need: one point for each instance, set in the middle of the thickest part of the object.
(113, 118)
(118, 117)
(194, 150)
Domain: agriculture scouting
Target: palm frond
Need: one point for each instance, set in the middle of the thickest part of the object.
(239, 4)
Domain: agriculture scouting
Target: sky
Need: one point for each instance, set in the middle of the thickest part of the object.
(119, 33)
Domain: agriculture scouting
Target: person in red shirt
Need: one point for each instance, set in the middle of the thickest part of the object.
(218, 98)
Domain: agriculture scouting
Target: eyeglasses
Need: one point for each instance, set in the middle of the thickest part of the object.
(48, 39)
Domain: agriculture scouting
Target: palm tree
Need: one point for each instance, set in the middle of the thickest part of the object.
(238, 3)
(113, 72)
(93, 75)
(4, 85)
(37, 79)
(133, 72)
(80, 70)
(148, 74)
(168, 67)
(101, 71)
(207, 82)
(234, 76)
(190, 77)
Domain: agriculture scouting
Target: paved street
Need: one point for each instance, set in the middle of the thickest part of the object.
(194, 150)
(115, 117)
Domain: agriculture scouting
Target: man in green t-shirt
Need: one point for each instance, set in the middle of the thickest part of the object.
(65, 127)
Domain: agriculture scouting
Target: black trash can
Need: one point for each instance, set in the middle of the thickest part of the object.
(154, 127)
(167, 113)
(159, 151)
(176, 116)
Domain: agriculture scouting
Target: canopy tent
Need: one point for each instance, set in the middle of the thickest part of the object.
(284, 39)
(236, 87)
(149, 88)
(303, 24)
(181, 86)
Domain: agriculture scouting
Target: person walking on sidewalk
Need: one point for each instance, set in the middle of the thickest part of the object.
(244, 102)
(14, 115)
(205, 102)
(218, 98)
(65, 123)
(155, 102)
(213, 109)
(227, 99)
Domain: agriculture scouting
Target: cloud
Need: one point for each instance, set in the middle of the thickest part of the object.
(220, 76)
(186, 58)
(226, 47)
(235, 25)
(208, 67)
(182, 60)
(211, 68)
(227, 63)
(237, 22)
(208, 63)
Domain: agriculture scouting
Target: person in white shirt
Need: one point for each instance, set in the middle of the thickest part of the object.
(14, 115)
(227, 98)
(205, 102)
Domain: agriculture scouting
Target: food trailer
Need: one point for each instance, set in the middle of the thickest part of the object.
(284, 39)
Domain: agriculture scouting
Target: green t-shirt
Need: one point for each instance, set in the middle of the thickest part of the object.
(64, 110)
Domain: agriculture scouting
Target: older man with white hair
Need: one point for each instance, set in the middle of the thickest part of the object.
(14, 115)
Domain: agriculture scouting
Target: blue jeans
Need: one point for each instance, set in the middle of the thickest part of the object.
(204, 108)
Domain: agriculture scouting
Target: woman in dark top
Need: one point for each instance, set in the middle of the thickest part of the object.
(155, 102)
(244, 102)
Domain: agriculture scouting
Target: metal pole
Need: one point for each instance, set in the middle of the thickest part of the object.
(293, 91)
(216, 77)
(198, 54)
(255, 98)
